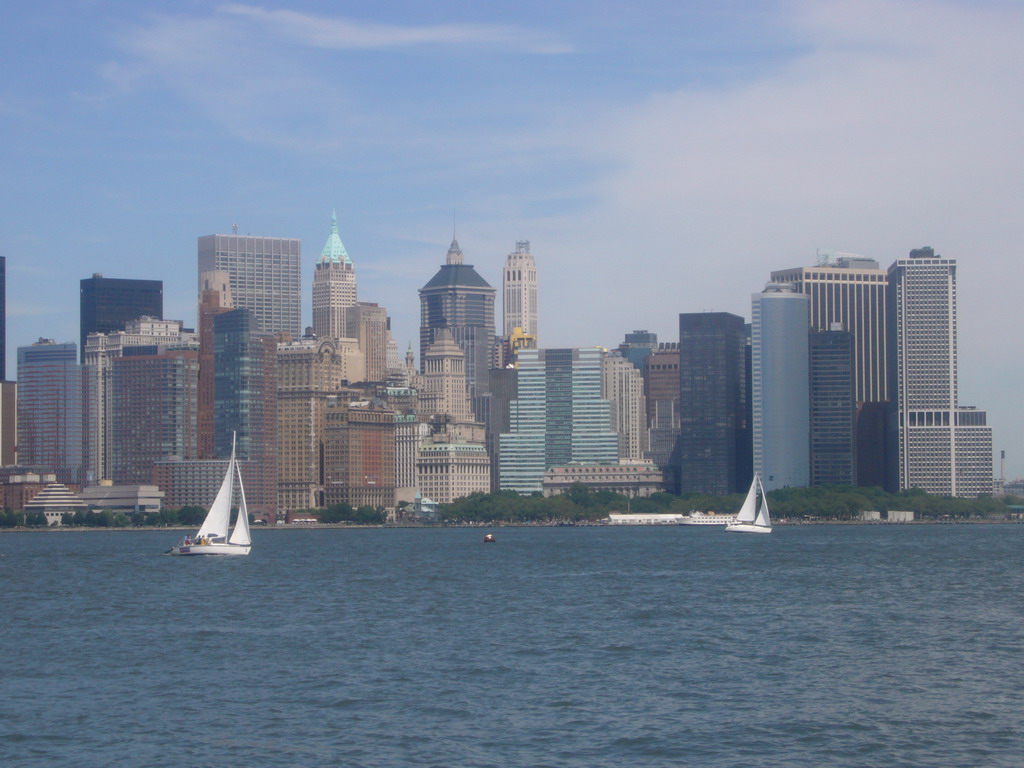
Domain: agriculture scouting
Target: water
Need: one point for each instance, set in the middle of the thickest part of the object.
(675, 646)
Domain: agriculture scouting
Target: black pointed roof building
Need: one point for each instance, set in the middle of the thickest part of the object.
(458, 299)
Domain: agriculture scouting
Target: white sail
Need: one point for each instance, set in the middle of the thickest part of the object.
(240, 535)
(763, 518)
(219, 517)
(749, 509)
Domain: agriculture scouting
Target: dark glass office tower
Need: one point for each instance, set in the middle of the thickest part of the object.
(245, 400)
(458, 299)
(830, 364)
(711, 402)
(107, 303)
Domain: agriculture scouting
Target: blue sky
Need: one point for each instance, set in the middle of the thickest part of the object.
(661, 157)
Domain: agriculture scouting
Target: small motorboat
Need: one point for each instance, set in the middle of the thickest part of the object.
(489, 538)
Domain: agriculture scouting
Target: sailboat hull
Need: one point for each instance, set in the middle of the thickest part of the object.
(211, 549)
(748, 528)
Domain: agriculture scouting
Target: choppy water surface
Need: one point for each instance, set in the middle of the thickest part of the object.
(675, 646)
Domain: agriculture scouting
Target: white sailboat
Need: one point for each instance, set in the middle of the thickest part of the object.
(212, 536)
(753, 518)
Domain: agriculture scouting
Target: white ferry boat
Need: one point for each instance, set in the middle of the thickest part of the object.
(697, 517)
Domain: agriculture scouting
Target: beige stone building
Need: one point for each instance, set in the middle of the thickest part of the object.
(449, 470)
(623, 385)
(309, 373)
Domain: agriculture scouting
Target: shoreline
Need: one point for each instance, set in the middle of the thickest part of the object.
(497, 524)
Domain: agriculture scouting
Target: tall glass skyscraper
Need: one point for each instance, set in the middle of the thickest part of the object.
(712, 403)
(50, 409)
(558, 417)
(265, 276)
(245, 400)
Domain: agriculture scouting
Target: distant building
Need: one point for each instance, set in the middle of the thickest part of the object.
(623, 386)
(780, 387)
(370, 325)
(265, 274)
(309, 374)
(128, 499)
(558, 417)
(55, 500)
(142, 336)
(107, 303)
(334, 288)
(214, 299)
(711, 402)
(153, 412)
(245, 401)
(519, 289)
(661, 392)
(450, 470)
(359, 454)
(940, 446)
(636, 346)
(458, 299)
(50, 409)
(637, 479)
(833, 408)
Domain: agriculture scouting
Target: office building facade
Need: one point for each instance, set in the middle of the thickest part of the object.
(712, 403)
(50, 409)
(832, 408)
(938, 446)
(264, 274)
(519, 291)
(779, 392)
(558, 417)
(106, 304)
(458, 299)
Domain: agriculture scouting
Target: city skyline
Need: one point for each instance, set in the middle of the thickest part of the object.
(704, 146)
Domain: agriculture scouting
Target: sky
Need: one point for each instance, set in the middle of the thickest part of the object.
(661, 157)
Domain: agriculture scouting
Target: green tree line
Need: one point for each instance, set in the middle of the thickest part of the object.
(582, 504)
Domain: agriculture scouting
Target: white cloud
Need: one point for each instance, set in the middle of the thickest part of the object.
(343, 33)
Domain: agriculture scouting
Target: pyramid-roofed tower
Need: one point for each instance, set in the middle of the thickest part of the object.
(459, 299)
(334, 287)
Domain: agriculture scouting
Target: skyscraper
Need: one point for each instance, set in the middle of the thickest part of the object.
(636, 346)
(851, 290)
(780, 386)
(369, 323)
(153, 411)
(245, 401)
(458, 299)
(558, 417)
(107, 303)
(830, 364)
(519, 290)
(711, 402)
(334, 288)
(623, 387)
(50, 409)
(143, 335)
(939, 446)
(309, 373)
(444, 389)
(265, 277)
